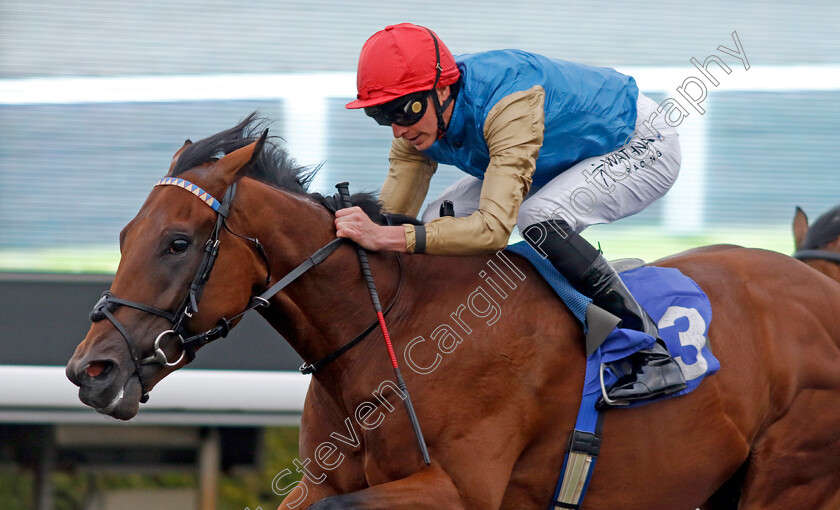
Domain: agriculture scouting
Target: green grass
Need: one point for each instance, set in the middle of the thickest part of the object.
(89, 259)
(648, 243)
(651, 243)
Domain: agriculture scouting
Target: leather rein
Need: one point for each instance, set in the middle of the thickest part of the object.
(108, 303)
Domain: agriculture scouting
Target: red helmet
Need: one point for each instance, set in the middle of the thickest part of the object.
(399, 60)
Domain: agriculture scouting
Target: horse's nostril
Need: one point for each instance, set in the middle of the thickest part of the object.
(97, 368)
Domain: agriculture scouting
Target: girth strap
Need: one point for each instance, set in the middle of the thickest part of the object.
(582, 451)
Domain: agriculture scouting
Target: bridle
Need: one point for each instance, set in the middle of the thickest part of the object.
(831, 256)
(822, 233)
(108, 303)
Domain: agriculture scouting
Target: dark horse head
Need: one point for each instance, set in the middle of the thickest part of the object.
(819, 244)
(162, 289)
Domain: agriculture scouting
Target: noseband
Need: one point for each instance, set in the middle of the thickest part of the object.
(108, 303)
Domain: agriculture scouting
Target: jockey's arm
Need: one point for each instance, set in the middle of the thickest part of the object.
(407, 182)
(513, 131)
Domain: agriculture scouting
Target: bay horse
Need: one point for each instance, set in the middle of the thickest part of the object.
(497, 398)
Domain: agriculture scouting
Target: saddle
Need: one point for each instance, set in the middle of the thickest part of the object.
(683, 314)
(680, 307)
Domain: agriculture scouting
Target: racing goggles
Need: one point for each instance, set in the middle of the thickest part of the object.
(403, 111)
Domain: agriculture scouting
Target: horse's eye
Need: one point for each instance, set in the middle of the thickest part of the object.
(179, 246)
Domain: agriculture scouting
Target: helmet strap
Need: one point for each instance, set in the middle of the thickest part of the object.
(439, 108)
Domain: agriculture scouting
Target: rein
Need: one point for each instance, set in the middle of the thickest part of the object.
(108, 303)
(831, 256)
(311, 368)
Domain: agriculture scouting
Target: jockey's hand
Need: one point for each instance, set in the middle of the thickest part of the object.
(354, 224)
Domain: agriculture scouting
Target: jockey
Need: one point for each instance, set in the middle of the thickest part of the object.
(550, 146)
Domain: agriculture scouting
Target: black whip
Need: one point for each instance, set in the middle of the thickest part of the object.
(344, 191)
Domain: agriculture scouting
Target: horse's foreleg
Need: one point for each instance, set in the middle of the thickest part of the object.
(429, 488)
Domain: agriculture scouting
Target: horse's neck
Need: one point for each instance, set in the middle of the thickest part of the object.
(827, 267)
(330, 303)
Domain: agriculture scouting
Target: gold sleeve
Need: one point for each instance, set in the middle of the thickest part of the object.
(407, 182)
(514, 133)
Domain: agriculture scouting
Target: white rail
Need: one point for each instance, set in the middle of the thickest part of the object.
(219, 397)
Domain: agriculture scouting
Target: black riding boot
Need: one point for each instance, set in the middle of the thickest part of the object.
(654, 372)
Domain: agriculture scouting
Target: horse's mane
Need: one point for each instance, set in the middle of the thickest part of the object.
(273, 166)
(823, 231)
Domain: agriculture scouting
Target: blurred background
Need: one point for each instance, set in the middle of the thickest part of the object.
(96, 96)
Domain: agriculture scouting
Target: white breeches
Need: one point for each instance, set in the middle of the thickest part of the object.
(600, 189)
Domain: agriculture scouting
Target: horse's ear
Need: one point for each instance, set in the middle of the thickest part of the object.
(800, 227)
(177, 155)
(238, 161)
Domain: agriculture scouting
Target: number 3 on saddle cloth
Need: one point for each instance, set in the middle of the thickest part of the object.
(683, 314)
(678, 305)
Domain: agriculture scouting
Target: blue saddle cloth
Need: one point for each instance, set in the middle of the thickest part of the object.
(673, 300)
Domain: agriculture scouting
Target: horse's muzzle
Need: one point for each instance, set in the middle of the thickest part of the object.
(104, 386)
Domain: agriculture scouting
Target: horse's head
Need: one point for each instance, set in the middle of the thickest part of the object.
(819, 244)
(162, 292)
